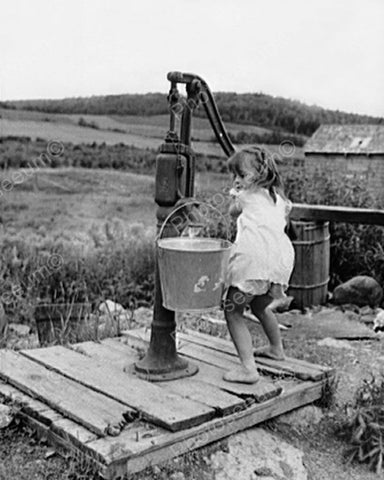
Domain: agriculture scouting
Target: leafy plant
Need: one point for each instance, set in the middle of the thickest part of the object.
(355, 249)
(364, 429)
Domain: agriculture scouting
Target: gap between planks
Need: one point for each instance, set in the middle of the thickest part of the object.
(212, 365)
(198, 389)
(153, 404)
(212, 345)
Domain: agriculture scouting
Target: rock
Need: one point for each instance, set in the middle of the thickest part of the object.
(6, 416)
(156, 470)
(333, 343)
(19, 329)
(109, 307)
(177, 476)
(143, 316)
(378, 321)
(256, 453)
(302, 418)
(361, 290)
(367, 310)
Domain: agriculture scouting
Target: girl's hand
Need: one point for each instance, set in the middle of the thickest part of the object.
(235, 208)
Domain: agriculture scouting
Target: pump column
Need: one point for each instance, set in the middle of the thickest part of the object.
(174, 180)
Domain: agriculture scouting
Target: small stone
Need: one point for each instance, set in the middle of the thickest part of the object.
(143, 316)
(177, 476)
(110, 307)
(333, 343)
(19, 329)
(367, 310)
(6, 416)
(156, 470)
(302, 417)
(378, 321)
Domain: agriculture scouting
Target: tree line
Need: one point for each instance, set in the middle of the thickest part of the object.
(260, 109)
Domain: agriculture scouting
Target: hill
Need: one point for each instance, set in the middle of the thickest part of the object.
(276, 113)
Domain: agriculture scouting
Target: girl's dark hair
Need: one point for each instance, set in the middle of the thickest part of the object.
(258, 165)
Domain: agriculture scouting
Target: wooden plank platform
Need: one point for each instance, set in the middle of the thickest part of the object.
(86, 398)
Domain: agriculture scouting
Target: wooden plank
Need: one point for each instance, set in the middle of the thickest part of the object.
(152, 451)
(206, 354)
(62, 443)
(91, 409)
(295, 369)
(29, 405)
(366, 216)
(154, 404)
(260, 391)
(117, 354)
(46, 415)
(298, 368)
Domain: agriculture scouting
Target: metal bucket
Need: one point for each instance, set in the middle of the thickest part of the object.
(192, 272)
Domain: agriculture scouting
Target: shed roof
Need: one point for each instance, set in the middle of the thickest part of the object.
(360, 139)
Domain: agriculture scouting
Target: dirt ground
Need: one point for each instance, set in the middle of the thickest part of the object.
(23, 457)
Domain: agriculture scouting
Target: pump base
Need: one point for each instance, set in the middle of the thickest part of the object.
(179, 368)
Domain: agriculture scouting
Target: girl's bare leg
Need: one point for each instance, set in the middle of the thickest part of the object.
(233, 310)
(260, 308)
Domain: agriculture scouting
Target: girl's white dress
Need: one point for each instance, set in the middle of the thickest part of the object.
(262, 257)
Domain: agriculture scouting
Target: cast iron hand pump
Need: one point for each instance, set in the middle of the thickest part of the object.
(175, 170)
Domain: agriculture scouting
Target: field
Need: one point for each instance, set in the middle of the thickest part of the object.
(69, 202)
(141, 132)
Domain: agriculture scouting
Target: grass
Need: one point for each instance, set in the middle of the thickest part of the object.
(69, 202)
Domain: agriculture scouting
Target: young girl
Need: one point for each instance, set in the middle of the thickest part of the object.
(262, 257)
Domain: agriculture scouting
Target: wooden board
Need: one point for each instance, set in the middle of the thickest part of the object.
(366, 216)
(204, 357)
(221, 353)
(154, 404)
(89, 408)
(293, 366)
(119, 355)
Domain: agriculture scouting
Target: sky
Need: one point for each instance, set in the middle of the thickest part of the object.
(324, 52)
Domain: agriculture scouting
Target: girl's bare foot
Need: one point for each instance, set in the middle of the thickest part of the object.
(242, 375)
(269, 352)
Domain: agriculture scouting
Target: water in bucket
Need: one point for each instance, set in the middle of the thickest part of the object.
(192, 272)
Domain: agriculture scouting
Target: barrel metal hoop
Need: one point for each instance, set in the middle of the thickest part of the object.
(315, 242)
(316, 226)
(311, 287)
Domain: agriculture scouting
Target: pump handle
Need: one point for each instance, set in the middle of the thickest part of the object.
(210, 107)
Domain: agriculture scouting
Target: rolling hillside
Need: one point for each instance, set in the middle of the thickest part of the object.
(259, 109)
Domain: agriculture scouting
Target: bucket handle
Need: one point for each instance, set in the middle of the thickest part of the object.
(192, 203)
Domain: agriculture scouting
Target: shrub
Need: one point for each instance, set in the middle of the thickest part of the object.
(355, 249)
(112, 264)
(364, 429)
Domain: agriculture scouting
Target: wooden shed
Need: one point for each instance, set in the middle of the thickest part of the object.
(349, 151)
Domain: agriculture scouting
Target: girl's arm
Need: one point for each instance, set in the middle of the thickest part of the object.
(289, 229)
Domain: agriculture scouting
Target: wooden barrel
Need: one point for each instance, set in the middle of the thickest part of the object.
(309, 281)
